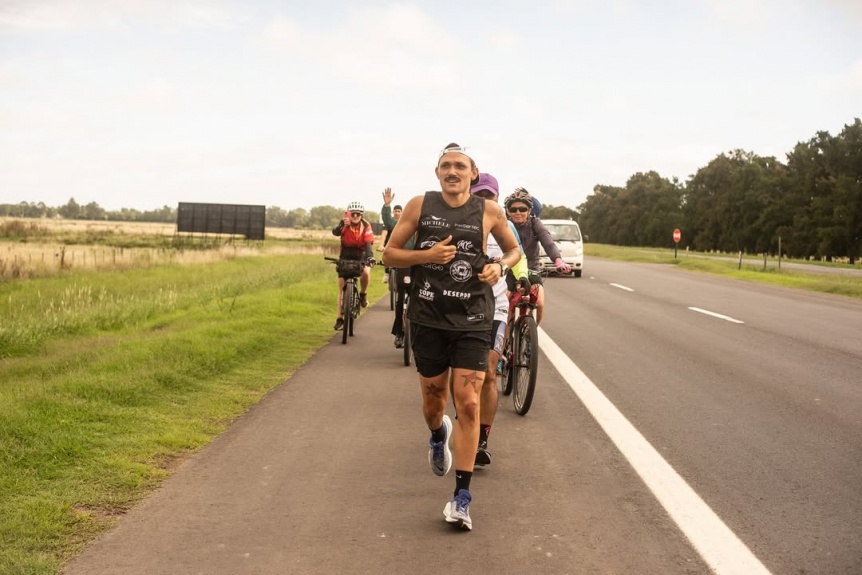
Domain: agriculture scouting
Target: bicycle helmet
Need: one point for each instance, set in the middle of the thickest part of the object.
(355, 207)
(519, 195)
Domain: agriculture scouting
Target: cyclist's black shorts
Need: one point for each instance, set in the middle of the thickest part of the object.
(436, 350)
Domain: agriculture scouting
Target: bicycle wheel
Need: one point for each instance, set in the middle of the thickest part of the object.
(506, 373)
(526, 363)
(346, 310)
(408, 342)
(355, 309)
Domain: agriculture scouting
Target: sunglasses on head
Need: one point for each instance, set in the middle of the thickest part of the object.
(521, 209)
(355, 214)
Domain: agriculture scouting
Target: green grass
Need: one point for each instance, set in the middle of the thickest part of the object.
(751, 269)
(107, 379)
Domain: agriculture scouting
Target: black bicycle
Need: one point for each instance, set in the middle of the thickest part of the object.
(351, 270)
(408, 337)
(521, 355)
(393, 287)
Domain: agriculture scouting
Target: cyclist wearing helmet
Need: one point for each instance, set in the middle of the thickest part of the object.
(533, 232)
(357, 239)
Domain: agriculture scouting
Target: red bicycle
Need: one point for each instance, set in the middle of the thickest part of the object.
(521, 354)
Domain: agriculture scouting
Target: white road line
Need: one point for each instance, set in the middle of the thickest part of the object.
(717, 544)
(718, 315)
(622, 287)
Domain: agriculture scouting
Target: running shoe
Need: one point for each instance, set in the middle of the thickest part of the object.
(363, 300)
(399, 341)
(457, 511)
(386, 278)
(439, 454)
(483, 456)
(339, 323)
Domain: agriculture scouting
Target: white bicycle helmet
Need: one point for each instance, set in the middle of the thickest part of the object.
(355, 207)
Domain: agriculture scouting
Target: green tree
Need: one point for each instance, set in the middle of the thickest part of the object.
(826, 182)
(550, 212)
(597, 213)
(71, 211)
(324, 217)
(297, 218)
(93, 211)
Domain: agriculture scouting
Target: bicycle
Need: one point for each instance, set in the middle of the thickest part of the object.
(408, 337)
(393, 287)
(351, 269)
(521, 354)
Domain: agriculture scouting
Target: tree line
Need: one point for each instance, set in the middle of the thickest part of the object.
(739, 201)
(743, 202)
(72, 210)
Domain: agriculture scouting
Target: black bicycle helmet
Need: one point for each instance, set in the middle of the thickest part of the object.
(519, 195)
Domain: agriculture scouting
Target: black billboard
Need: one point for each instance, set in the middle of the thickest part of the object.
(234, 219)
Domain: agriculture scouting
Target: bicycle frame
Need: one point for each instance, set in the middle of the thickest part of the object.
(521, 352)
(349, 302)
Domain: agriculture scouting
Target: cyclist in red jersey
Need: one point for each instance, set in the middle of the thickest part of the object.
(357, 239)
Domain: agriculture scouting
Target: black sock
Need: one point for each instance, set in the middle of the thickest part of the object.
(438, 435)
(462, 480)
(484, 432)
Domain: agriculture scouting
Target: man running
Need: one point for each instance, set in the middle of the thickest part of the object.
(452, 309)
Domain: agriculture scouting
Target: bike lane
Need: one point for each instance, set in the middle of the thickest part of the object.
(328, 474)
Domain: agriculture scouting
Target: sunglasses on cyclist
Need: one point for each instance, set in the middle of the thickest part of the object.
(356, 214)
(521, 209)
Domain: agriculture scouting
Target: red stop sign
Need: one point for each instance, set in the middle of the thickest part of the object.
(677, 235)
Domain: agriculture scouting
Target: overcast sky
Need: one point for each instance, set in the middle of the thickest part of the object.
(145, 103)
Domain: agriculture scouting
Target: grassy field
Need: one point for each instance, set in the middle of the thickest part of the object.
(752, 269)
(112, 372)
(108, 377)
(42, 248)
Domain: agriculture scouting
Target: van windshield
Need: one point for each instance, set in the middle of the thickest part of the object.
(564, 232)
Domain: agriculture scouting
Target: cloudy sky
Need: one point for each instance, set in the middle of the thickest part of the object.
(145, 103)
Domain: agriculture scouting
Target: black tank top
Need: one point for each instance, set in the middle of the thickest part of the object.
(451, 296)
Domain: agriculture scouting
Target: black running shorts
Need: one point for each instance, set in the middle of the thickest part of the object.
(436, 350)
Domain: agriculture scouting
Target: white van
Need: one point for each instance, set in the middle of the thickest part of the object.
(567, 236)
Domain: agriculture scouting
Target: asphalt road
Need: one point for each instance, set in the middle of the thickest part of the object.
(762, 418)
(761, 421)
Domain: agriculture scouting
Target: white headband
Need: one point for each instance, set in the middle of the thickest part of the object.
(457, 150)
